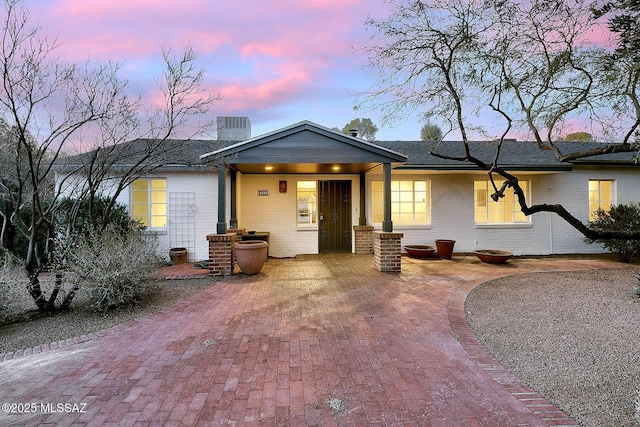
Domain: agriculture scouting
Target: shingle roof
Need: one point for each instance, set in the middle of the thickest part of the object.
(513, 154)
(174, 154)
(185, 154)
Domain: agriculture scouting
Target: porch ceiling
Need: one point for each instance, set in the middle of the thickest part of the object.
(303, 168)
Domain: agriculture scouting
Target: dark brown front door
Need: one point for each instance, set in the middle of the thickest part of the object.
(334, 216)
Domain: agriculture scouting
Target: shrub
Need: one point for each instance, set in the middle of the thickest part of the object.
(88, 218)
(20, 243)
(636, 287)
(4, 297)
(12, 283)
(625, 217)
(113, 267)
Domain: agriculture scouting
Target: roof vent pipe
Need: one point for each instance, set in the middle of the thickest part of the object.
(353, 132)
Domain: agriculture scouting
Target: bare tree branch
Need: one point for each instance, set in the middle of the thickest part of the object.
(528, 62)
(50, 105)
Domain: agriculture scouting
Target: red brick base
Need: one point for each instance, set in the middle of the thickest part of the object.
(387, 251)
(221, 256)
(364, 239)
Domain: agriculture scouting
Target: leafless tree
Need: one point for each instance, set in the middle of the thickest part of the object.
(50, 105)
(421, 53)
(530, 62)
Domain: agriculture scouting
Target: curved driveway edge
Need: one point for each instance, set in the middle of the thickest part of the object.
(316, 340)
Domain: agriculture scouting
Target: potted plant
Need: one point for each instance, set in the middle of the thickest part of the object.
(445, 248)
(251, 255)
(492, 256)
(178, 255)
(419, 251)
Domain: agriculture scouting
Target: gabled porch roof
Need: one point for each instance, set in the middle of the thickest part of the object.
(304, 147)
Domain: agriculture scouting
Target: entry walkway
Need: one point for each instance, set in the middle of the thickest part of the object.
(311, 341)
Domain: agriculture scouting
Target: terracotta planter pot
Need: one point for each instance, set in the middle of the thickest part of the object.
(251, 255)
(492, 256)
(178, 255)
(419, 251)
(445, 248)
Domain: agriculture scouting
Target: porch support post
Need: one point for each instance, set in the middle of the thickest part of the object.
(387, 224)
(233, 221)
(363, 200)
(221, 226)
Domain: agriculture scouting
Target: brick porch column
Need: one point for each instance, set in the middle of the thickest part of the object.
(386, 251)
(239, 231)
(364, 239)
(221, 247)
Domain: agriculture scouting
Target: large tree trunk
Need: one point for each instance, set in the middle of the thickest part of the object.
(36, 292)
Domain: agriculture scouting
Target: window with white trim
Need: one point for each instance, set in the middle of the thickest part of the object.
(307, 204)
(410, 202)
(505, 211)
(149, 202)
(601, 196)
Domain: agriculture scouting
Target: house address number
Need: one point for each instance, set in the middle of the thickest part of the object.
(264, 192)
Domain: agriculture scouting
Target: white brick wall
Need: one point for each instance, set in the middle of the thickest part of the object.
(452, 212)
(277, 212)
(204, 185)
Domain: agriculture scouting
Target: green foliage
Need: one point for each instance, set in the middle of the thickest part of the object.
(624, 20)
(20, 244)
(578, 137)
(624, 217)
(82, 217)
(430, 132)
(112, 267)
(73, 215)
(366, 129)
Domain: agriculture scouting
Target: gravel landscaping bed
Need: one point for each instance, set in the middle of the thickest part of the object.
(34, 329)
(572, 337)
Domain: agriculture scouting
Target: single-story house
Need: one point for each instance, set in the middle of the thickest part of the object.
(310, 187)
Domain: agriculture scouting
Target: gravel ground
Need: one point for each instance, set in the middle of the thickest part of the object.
(33, 329)
(572, 337)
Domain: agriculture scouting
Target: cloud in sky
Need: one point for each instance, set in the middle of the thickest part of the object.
(276, 61)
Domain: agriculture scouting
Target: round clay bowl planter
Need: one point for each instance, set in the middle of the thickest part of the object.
(251, 255)
(445, 248)
(419, 251)
(492, 256)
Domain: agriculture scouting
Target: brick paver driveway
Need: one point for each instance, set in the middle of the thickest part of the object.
(312, 341)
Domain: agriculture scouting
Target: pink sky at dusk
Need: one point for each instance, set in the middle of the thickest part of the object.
(276, 61)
